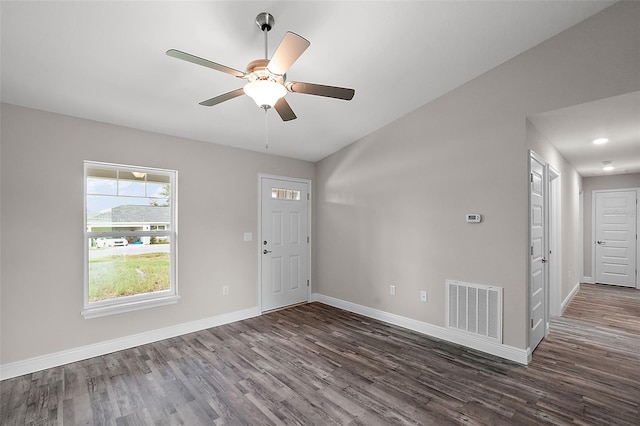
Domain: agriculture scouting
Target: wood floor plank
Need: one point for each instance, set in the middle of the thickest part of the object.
(315, 364)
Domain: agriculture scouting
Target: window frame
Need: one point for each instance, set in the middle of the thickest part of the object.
(138, 301)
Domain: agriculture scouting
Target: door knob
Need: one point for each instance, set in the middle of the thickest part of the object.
(544, 260)
(600, 242)
(266, 251)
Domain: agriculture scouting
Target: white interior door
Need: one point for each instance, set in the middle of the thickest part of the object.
(538, 244)
(284, 243)
(615, 237)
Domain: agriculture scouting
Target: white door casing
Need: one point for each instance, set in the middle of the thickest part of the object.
(615, 241)
(537, 251)
(554, 244)
(284, 242)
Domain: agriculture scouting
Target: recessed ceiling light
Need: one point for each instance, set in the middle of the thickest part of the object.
(600, 141)
(607, 168)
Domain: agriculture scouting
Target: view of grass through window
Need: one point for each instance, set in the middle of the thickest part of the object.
(116, 276)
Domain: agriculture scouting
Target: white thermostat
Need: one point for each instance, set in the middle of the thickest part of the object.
(474, 218)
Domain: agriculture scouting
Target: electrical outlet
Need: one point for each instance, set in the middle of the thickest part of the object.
(392, 290)
(225, 290)
(423, 296)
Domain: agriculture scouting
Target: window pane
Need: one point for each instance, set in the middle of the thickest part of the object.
(127, 214)
(131, 175)
(102, 186)
(152, 177)
(159, 190)
(131, 188)
(285, 194)
(102, 172)
(127, 266)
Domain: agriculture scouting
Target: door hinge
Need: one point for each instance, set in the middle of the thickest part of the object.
(531, 250)
(307, 240)
(307, 283)
(308, 196)
(531, 177)
(531, 322)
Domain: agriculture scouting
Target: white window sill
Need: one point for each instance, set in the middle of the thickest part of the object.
(101, 311)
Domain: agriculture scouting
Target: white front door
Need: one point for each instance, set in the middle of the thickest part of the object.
(615, 237)
(537, 251)
(284, 242)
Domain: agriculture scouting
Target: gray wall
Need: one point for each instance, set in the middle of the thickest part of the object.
(390, 208)
(631, 180)
(42, 226)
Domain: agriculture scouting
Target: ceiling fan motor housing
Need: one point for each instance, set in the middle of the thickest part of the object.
(257, 70)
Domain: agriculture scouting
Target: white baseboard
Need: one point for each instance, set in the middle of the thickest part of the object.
(588, 280)
(521, 356)
(56, 359)
(566, 301)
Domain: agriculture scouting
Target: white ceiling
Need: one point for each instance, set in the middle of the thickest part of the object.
(572, 131)
(106, 61)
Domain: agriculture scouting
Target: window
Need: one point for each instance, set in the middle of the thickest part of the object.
(285, 194)
(130, 232)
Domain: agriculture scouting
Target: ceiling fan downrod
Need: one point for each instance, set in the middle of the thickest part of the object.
(265, 21)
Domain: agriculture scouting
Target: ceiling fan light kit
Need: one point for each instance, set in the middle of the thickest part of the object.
(265, 93)
(267, 84)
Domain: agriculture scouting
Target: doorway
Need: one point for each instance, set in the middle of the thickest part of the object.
(284, 242)
(615, 237)
(544, 247)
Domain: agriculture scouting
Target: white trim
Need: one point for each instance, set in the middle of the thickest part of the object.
(519, 356)
(19, 368)
(135, 305)
(309, 228)
(572, 293)
(554, 232)
(581, 235)
(588, 280)
(538, 158)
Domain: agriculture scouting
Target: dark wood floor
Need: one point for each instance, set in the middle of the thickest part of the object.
(314, 364)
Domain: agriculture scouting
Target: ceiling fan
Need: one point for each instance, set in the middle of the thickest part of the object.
(267, 81)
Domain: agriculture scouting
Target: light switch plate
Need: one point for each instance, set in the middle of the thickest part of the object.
(248, 236)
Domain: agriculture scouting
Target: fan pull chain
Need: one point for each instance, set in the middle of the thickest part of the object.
(266, 129)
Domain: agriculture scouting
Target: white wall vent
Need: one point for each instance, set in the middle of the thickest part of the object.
(475, 309)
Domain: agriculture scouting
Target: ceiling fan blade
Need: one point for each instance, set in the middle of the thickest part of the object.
(284, 110)
(287, 52)
(223, 97)
(321, 90)
(204, 62)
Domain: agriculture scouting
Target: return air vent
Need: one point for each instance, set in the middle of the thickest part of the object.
(475, 309)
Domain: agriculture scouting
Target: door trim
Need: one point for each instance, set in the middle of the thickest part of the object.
(262, 176)
(593, 230)
(554, 243)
